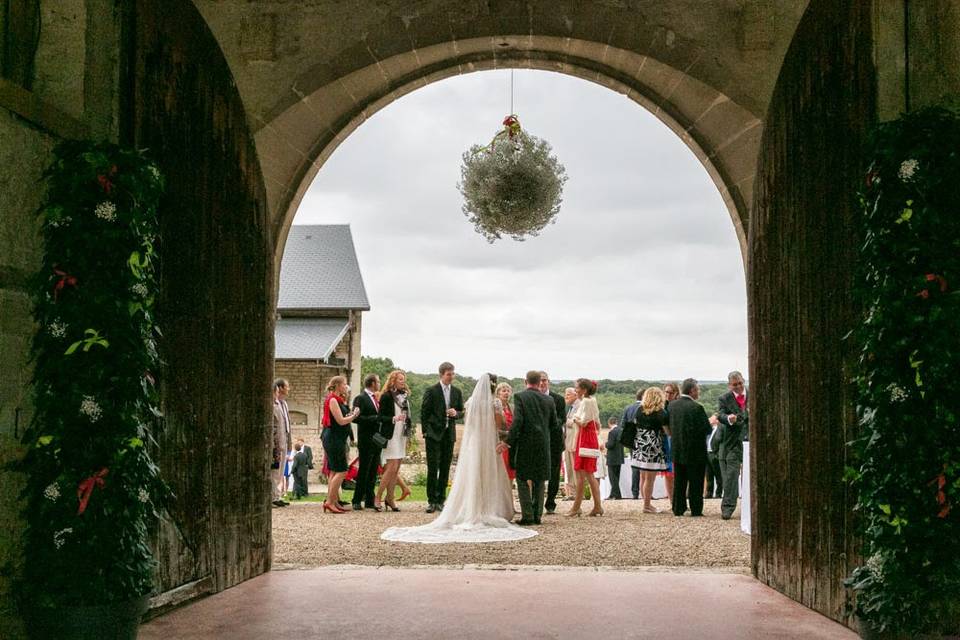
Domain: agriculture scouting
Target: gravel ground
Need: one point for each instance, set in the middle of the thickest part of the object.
(303, 536)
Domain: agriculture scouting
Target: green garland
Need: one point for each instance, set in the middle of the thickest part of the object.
(92, 488)
(908, 452)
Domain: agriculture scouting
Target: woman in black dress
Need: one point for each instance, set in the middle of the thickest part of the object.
(337, 417)
(648, 452)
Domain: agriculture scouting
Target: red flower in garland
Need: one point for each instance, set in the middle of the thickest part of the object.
(66, 280)
(931, 277)
(105, 181)
(86, 487)
(941, 482)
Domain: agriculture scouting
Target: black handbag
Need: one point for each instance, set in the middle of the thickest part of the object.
(628, 436)
(379, 440)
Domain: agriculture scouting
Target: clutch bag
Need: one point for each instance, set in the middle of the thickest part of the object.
(586, 452)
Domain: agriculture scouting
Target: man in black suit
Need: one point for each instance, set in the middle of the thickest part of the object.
(714, 479)
(534, 416)
(442, 406)
(368, 423)
(556, 441)
(734, 428)
(630, 415)
(614, 458)
(689, 426)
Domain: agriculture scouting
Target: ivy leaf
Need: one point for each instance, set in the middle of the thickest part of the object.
(135, 443)
(885, 508)
(43, 441)
(906, 214)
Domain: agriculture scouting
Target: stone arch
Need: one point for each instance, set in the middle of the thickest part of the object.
(295, 143)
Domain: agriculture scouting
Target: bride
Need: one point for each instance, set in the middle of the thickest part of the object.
(480, 505)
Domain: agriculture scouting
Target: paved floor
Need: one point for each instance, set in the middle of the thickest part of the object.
(569, 603)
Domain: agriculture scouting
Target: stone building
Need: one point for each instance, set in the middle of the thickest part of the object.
(317, 335)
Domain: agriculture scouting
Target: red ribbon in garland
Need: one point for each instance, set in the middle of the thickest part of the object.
(104, 180)
(85, 489)
(66, 280)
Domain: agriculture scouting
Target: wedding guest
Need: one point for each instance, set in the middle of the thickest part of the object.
(337, 418)
(556, 442)
(394, 419)
(689, 427)
(629, 415)
(570, 443)
(440, 409)
(714, 478)
(299, 471)
(734, 424)
(587, 419)
(648, 452)
(528, 440)
(614, 458)
(503, 393)
(281, 440)
(672, 391)
(368, 423)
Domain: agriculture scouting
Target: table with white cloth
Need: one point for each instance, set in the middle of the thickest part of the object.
(626, 490)
(745, 490)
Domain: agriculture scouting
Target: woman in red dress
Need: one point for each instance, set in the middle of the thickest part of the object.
(503, 394)
(587, 420)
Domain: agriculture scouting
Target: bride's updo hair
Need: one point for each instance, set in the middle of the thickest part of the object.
(493, 381)
(589, 386)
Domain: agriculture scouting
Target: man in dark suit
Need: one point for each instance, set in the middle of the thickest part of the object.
(442, 406)
(534, 416)
(556, 441)
(368, 423)
(689, 426)
(614, 458)
(734, 428)
(630, 415)
(714, 479)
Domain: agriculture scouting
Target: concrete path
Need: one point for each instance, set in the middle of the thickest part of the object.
(482, 603)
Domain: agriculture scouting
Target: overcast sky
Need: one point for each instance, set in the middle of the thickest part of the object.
(640, 277)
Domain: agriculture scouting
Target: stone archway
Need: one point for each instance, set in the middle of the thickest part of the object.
(282, 105)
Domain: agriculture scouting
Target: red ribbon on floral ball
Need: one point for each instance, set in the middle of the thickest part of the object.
(512, 125)
(86, 487)
(66, 280)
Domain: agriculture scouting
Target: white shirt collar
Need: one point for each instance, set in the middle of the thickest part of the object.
(684, 395)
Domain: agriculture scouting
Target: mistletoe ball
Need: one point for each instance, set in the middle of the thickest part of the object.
(512, 187)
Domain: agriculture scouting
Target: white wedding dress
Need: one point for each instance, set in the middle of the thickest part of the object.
(480, 505)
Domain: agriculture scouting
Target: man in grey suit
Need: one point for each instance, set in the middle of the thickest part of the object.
(534, 416)
(281, 440)
(614, 458)
(734, 424)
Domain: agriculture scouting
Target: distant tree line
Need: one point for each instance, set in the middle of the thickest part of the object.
(612, 398)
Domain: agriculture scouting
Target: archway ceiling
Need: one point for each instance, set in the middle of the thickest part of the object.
(311, 71)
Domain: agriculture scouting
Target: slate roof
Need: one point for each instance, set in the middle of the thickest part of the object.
(308, 338)
(320, 270)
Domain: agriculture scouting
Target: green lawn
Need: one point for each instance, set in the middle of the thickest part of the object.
(418, 493)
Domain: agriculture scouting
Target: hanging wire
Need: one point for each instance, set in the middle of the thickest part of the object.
(511, 92)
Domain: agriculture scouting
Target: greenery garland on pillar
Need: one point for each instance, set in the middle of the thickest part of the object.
(908, 452)
(92, 489)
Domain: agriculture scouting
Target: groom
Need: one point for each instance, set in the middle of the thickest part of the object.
(534, 416)
(442, 406)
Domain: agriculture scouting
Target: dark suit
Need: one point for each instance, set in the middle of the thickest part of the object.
(614, 461)
(368, 423)
(534, 416)
(629, 415)
(689, 426)
(714, 479)
(731, 437)
(439, 434)
(556, 450)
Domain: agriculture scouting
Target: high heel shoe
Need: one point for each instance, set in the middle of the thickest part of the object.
(332, 509)
(404, 495)
(574, 514)
(392, 506)
(595, 513)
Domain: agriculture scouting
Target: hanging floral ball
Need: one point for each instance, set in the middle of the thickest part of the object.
(512, 187)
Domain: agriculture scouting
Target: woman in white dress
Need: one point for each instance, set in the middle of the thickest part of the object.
(395, 417)
(480, 505)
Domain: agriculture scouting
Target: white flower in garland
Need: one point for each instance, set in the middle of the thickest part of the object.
(908, 168)
(61, 222)
(57, 329)
(897, 394)
(154, 172)
(106, 211)
(59, 538)
(90, 408)
(143, 495)
(52, 492)
(140, 289)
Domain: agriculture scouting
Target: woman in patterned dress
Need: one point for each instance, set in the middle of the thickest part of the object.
(587, 418)
(503, 394)
(648, 451)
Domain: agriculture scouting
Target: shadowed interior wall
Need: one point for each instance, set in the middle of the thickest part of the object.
(802, 243)
(217, 297)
